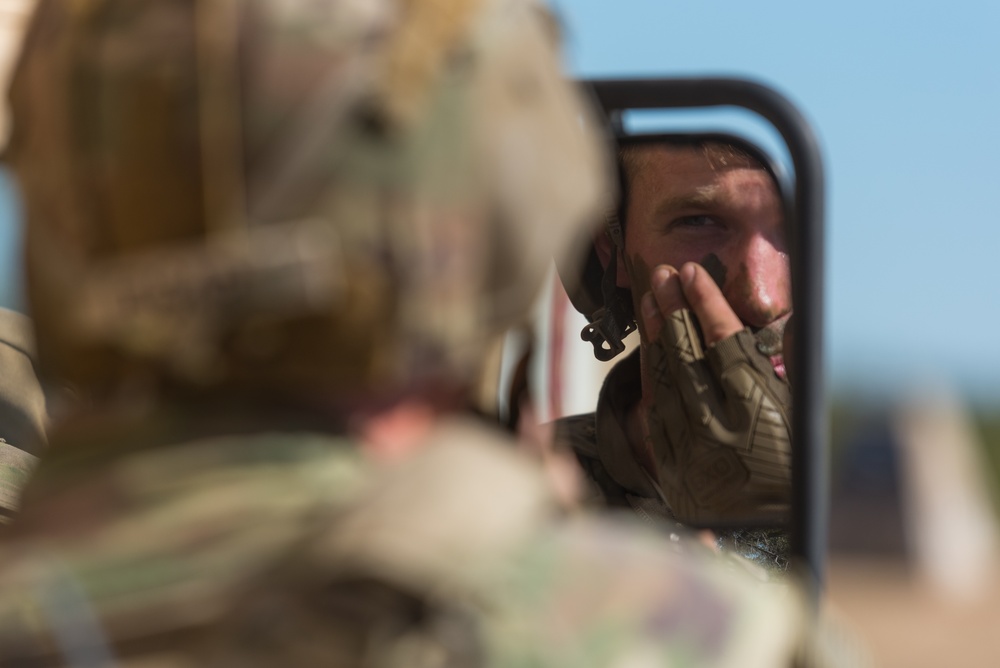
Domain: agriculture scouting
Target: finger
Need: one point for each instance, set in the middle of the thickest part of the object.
(652, 321)
(667, 290)
(717, 319)
(663, 279)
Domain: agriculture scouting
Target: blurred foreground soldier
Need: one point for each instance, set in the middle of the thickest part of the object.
(268, 241)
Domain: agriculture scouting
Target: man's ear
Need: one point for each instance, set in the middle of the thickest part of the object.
(604, 247)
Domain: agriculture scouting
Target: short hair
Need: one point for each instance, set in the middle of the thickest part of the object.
(720, 154)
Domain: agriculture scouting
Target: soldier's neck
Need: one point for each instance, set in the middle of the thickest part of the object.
(397, 431)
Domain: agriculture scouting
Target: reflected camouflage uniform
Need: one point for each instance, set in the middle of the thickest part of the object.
(617, 480)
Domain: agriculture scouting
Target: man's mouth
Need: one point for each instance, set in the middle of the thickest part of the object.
(778, 362)
(769, 340)
(769, 345)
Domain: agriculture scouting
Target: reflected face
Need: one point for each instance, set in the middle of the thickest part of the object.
(717, 208)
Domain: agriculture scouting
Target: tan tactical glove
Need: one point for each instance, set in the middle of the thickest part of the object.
(720, 428)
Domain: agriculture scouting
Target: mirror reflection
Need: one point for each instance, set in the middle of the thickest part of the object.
(692, 428)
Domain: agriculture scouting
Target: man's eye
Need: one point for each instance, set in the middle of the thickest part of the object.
(694, 222)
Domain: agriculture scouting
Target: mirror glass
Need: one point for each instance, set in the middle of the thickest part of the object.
(692, 424)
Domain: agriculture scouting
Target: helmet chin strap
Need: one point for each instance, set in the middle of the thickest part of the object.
(612, 323)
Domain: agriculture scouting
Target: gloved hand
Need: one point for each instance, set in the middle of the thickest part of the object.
(719, 426)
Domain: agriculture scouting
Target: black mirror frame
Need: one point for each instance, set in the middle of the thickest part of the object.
(804, 226)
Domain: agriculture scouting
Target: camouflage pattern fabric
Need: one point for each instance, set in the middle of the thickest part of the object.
(618, 482)
(291, 549)
(23, 411)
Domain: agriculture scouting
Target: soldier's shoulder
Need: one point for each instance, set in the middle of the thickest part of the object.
(171, 538)
(621, 594)
(444, 516)
(207, 537)
(577, 433)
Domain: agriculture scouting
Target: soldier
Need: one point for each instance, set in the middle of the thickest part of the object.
(268, 241)
(693, 427)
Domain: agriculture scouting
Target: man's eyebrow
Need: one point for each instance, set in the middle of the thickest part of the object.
(700, 198)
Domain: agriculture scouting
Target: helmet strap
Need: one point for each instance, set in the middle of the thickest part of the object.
(613, 322)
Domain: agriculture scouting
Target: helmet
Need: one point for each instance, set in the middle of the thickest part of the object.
(292, 194)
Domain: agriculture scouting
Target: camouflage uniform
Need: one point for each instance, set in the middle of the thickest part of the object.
(292, 549)
(234, 276)
(616, 479)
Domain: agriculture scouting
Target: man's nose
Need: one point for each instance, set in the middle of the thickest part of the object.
(759, 289)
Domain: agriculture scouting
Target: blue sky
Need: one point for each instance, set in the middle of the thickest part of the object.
(905, 98)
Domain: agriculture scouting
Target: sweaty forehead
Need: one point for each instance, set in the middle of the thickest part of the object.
(691, 176)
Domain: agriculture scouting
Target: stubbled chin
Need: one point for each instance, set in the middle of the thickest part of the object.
(778, 362)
